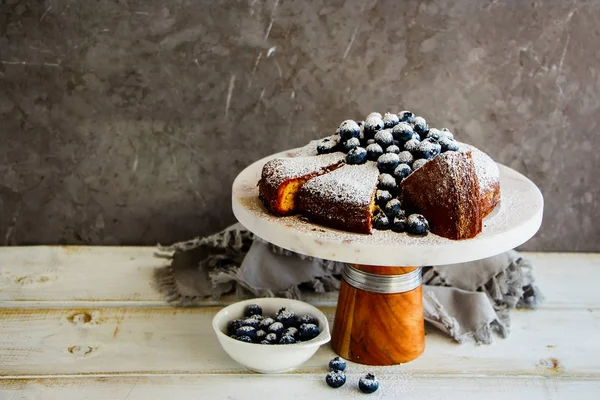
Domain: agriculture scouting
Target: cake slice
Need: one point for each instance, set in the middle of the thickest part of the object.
(446, 191)
(282, 178)
(342, 199)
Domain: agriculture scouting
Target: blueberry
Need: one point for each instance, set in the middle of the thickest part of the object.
(327, 145)
(434, 134)
(420, 127)
(402, 132)
(260, 335)
(248, 331)
(286, 339)
(399, 223)
(233, 326)
(419, 163)
(251, 321)
(446, 133)
(402, 171)
(276, 328)
(382, 197)
(308, 319)
(349, 129)
(448, 145)
(337, 364)
(272, 338)
(428, 149)
(404, 157)
(373, 124)
(291, 331)
(374, 114)
(252, 309)
(246, 339)
(384, 138)
(381, 222)
(286, 317)
(393, 149)
(265, 342)
(411, 145)
(390, 120)
(351, 143)
(387, 162)
(335, 379)
(406, 116)
(308, 331)
(265, 323)
(387, 182)
(357, 155)
(368, 384)
(374, 151)
(392, 208)
(416, 224)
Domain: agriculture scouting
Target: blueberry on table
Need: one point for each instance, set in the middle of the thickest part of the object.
(351, 143)
(276, 328)
(308, 331)
(381, 222)
(402, 132)
(448, 145)
(392, 149)
(233, 326)
(405, 157)
(402, 171)
(399, 223)
(248, 331)
(246, 339)
(390, 120)
(374, 151)
(335, 379)
(368, 384)
(337, 364)
(384, 138)
(412, 145)
(419, 163)
(308, 319)
(420, 127)
(388, 162)
(373, 124)
(252, 309)
(416, 224)
(265, 323)
(387, 182)
(286, 317)
(287, 339)
(406, 116)
(358, 155)
(382, 196)
(349, 129)
(392, 208)
(327, 145)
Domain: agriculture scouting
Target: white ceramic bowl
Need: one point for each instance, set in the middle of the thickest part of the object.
(270, 359)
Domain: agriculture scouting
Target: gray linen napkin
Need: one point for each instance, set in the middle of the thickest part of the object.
(466, 301)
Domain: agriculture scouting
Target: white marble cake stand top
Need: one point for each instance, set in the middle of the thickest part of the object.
(515, 220)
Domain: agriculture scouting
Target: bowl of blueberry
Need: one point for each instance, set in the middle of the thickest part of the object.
(271, 335)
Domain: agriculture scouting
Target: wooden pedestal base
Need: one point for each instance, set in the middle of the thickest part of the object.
(379, 328)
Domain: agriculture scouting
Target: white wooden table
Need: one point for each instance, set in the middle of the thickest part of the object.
(86, 323)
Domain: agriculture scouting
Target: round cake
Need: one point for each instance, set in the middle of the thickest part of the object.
(386, 172)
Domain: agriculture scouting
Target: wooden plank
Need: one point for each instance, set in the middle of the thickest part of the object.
(51, 274)
(292, 386)
(161, 340)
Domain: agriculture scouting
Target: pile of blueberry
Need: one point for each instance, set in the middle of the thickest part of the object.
(337, 377)
(400, 144)
(283, 328)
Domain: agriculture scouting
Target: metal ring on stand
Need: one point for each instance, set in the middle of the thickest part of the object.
(382, 283)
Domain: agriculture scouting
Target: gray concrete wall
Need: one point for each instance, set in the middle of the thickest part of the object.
(125, 122)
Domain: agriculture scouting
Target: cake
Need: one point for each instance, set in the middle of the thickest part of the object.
(387, 172)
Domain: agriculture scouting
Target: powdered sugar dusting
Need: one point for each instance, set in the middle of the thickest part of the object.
(311, 148)
(281, 169)
(486, 169)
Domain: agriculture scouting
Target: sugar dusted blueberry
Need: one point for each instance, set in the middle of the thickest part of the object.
(434, 134)
(291, 331)
(335, 379)
(265, 323)
(402, 132)
(351, 143)
(374, 151)
(392, 149)
(381, 222)
(233, 326)
(357, 155)
(272, 337)
(399, 223)
(420, 127)
(308, 319)
(387, 162)
(260, 335)
(404, 157)
(428, 148)
(416, 224)
(384, 138)
(373, 124)
(390, 120)
(374, 114)
(349, 129)
(406, 116)
(246, 339)
(368, 384)
(387, 182)
(286, 339)
(412, 145)
(252, 309)
(337, 364)
(327, 145)
(246, 331)
(382, 197)
(402, 171)
(251, 321)
(448, 145)
(286, 317)
(308, 331)
(276, 328)
(447, 134)
(419, 163)
(392, 208)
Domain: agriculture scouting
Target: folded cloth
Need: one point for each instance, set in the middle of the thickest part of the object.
(466, 301)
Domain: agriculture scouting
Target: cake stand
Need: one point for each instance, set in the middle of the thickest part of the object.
(379, 316)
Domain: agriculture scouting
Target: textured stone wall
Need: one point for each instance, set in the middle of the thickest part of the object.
(125, 122)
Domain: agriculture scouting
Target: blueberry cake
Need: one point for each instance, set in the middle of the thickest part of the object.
(388, 172)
